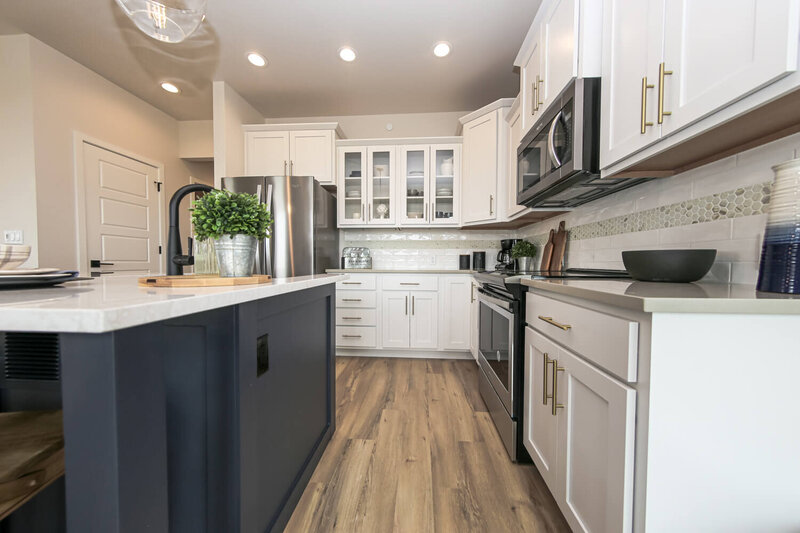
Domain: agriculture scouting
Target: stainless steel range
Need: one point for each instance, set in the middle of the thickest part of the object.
(501, 324)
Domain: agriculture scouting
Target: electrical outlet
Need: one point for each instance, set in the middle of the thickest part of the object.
(13, 236)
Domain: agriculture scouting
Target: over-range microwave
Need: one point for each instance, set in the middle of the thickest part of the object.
(558, 161)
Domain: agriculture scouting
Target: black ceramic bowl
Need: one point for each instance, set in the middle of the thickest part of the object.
(677, 266)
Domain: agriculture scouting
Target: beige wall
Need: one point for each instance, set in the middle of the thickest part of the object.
(17, 165)
(196, 139)
(230, 112)
(69, 99)
(403, 125)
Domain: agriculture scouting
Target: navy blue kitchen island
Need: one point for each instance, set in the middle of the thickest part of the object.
(189, 409)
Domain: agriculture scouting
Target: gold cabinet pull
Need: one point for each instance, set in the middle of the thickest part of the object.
(491, 205)
(351, 336)
(539, 102)
(549, 320)
(406, 305)
(351, 299)
(471, 293)
(412, 306)
(351, 318)
(534, 99)
(556, 370)
(351, 283)
(408, 283)
(662, 71)
(545, 363)
(645, 86)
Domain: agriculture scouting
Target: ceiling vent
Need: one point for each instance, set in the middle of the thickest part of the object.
(30, 356)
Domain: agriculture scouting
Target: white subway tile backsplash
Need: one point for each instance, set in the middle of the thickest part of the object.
(745, 272)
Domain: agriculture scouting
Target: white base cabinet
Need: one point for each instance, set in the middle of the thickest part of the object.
(405, 312)
(685, 439)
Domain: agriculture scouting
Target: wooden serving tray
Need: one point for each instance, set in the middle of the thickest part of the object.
(201, 280)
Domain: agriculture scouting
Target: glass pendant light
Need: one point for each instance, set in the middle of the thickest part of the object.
(170, 21)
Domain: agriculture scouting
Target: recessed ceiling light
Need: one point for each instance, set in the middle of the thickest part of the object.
(442, 48)
(170, 87)
(256, 59)
(347, 53)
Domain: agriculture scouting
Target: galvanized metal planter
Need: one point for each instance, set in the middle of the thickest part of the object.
(236, 255)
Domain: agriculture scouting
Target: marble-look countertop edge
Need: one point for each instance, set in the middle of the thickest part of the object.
(659, 304)
(396, 271)
(103, 320)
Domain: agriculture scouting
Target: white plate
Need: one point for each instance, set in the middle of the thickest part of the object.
(28, 272)
(57, 274)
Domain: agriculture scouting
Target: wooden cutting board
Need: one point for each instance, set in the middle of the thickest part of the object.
(31, 455)
(547, 252)
(201, 280)
(559, 247)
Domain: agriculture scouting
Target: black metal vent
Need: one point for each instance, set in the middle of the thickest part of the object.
(31, 356)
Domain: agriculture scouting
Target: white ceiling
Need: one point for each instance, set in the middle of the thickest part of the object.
(395, 71)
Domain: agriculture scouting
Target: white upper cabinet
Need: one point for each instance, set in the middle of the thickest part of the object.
(484, 177)
(754, 43)
(380, 186)
(311, 154)
(291, 149)
(564, 41)
(414, 189)
(668, 64)
(266, 153)
(632, 46)
(445, 181)
(352, 189)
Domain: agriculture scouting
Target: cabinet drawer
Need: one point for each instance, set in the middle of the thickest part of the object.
(356, 317)
(357, 281)
(355, 299)
(355, 337)
(608, 341)
(422, 282)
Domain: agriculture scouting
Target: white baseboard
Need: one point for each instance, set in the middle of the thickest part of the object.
(409, 354)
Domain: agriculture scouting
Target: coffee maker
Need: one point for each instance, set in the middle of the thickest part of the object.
(504, 259)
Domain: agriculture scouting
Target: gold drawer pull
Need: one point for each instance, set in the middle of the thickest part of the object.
(351, 283)
(351, 336)
(556, 370)
(549, 320)
(351, 299)
(404, 283)
(351, 318)
(662, 71)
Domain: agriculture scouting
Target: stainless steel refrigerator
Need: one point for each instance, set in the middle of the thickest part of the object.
(304, 238)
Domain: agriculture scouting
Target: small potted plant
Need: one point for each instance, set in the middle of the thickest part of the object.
(524, 252)
(235, 222)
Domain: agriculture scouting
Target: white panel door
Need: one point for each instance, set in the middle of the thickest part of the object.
(454, 311)
(381, 186)
(596, 447)
(445, 182)
(530, 87)
(632, 49)
(311, 154)
(267, 153)
(559, 38)
(424, 319)
(540, 427)
(479, 170)
(718, 53)
(123, 229)
(395, 318)
(413, 189)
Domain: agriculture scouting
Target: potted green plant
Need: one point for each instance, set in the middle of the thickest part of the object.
(524, 252)
(235, 222)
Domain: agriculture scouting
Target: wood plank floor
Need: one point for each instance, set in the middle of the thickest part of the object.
(415, 451)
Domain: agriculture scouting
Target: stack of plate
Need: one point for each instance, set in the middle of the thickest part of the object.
(35, 277)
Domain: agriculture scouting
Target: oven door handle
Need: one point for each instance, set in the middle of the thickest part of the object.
(502, 304)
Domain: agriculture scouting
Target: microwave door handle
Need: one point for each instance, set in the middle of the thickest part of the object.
(551, 147)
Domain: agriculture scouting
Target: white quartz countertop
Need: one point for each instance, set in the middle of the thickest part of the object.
(395, 271)
(652, 297)
(112, 303)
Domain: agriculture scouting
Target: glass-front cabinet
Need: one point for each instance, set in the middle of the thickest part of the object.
(399, 185)
(381, 185)
(445, 167)
(352, 190)
(414, 185)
